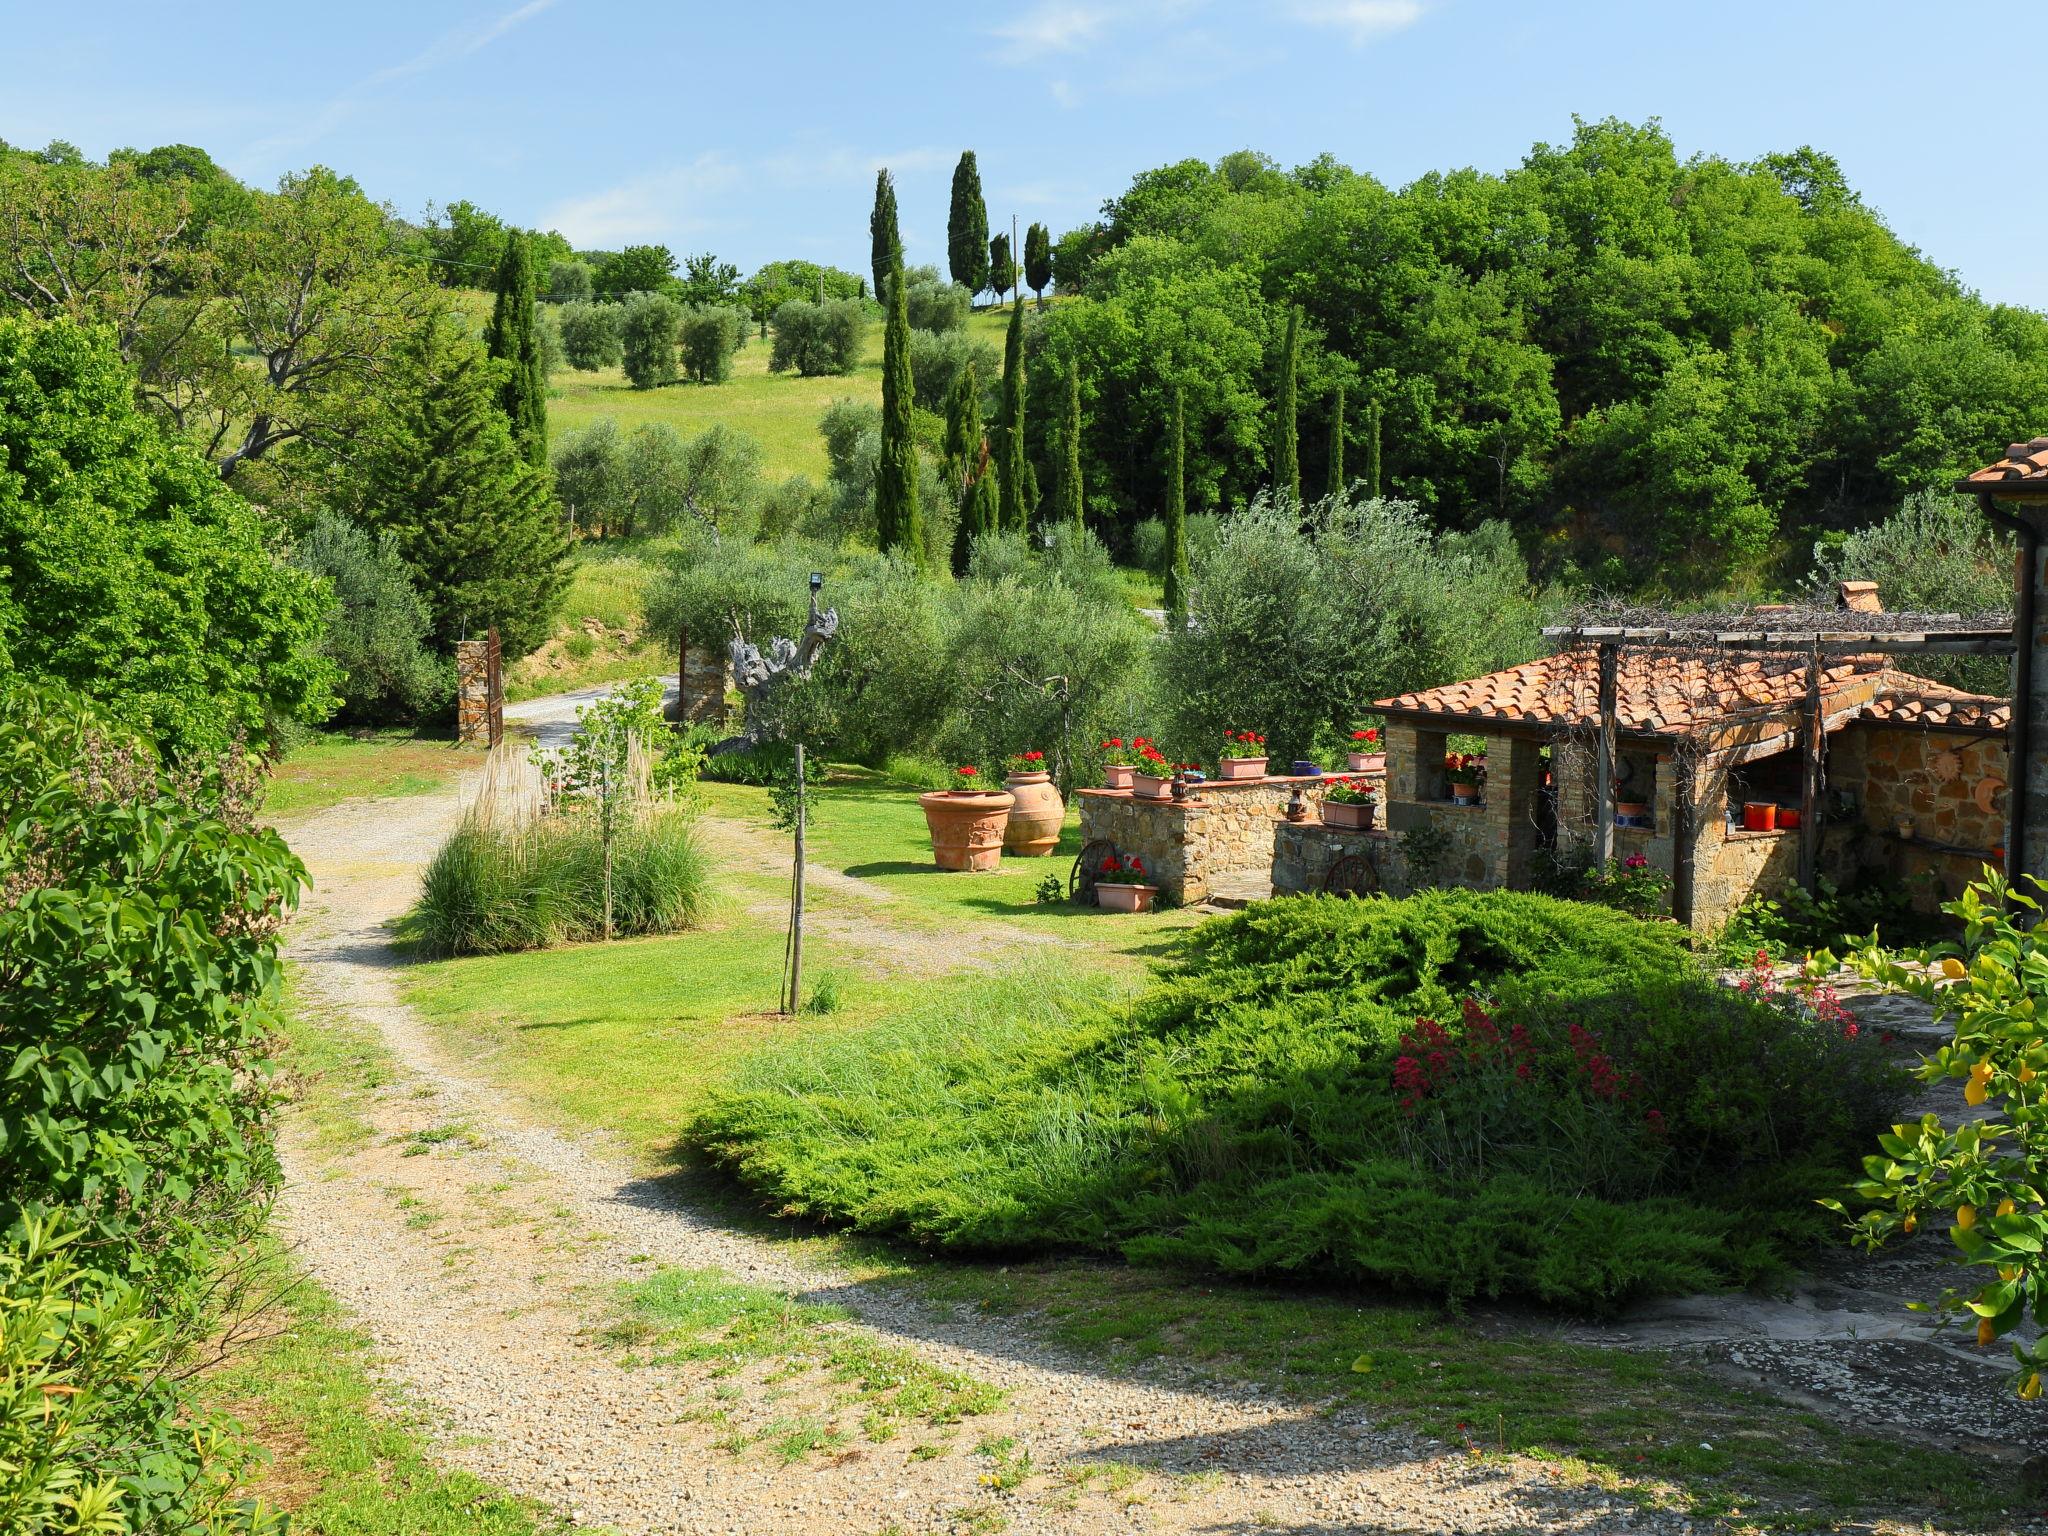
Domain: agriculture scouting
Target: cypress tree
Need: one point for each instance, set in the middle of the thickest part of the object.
(896, 509)
(1177, 518)
(1372, 448)
(1337, 441)
(1002, 269)
(1038, 260)
(886, 255)
(513, 338)
(970, 471)
(475, 522)
(1287, 458)
(1015, 511)
(967, 227)
(1068, 510)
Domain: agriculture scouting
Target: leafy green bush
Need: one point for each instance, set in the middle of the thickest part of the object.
(649, 325)
(772, 762)
(711, 334)
(817, 339)
(590, 336)
(1252, 1112)
(934, 304)
(1795, 924)
(1148, 545)
(377, 632)
(938, 358)
(490, 889)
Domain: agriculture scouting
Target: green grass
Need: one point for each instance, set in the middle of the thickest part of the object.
(606, 584)
(334, 766)
(779, 411)
(340, 1462)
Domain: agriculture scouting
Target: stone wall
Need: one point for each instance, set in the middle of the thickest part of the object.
(1932, 776)
(1305, 852)
(1223, 829)
(1488, 845)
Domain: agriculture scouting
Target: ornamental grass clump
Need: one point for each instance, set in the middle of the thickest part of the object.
(1334, 1089)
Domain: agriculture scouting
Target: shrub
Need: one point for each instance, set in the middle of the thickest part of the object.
(817, 339)
(590, 478)
(492, 889)
(590, 336)
(648, 326)
(771, 763)
(1251, 1112)
(938, 359)
(711, 334)
(934, 304)
(569, 282)
(1794, 925)
(798, 505)
(377, 631)
(1148, 545)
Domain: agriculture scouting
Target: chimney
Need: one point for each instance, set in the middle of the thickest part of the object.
(1859, 596)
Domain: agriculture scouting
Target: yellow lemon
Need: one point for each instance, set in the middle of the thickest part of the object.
(1952, 968)
(1985, 1334)
(1974, 1092)
(1911, 1221)
(2006, 1207)
(2031, 1387)
(1982, 1071)
(2026, 1074)
(1966, 1216)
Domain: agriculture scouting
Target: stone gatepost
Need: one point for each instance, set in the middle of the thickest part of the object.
(479, 692)
(703, 677)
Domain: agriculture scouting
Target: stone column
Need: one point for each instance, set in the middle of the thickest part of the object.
(473, 692)
(704, 676)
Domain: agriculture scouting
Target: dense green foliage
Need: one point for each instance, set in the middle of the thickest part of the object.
(655, 481)
(817, 339)
(650, 325)
(1003, 270)
(636, 269)
(711, 334)
(896, 505)
(969, 471)
(1692, 359)
(1070, 499)
(935, 304)
(590, 336)
(1342, 603)
(939, 358)
(1286, 416)
(377, 630)
(885, 240)
(967, 227)
(1174, 560)
(129, 571)
(513, 338)
(1014, 510)
(1336, 481)
(1273, 1106)
(569, 282)
(1037, 260)
(477, 525)
(781, 281)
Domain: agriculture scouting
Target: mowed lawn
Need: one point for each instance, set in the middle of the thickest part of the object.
(779, 411)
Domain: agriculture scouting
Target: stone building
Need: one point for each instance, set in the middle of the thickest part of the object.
(1912, 776)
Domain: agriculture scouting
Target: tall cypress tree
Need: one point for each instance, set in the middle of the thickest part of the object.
(896, 509)
(1372, 448)
(1015, 513)
(1068, 510)
(967, 227)
(475, 522)
(969, 469)
(1177, 518)
(1002, 268)
(885, 240)
(1287, 457)
(513, 337)
(1337, 441)
(1038, 260)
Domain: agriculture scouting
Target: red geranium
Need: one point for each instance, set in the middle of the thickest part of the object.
(1368, 734)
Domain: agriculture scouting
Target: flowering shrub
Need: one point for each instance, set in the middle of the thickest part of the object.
(1989, 1173)
(1114, 868)
(1629, 885)
(1349, 792)
(1025, 762)
(967, 777)
(1243, 744)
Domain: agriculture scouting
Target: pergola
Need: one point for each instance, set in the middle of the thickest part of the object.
(1815, 635)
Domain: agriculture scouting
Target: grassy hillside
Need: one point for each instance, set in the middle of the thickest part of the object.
(778, 410)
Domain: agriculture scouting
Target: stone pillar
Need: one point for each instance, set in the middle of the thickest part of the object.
(473, 692)
(704, 674)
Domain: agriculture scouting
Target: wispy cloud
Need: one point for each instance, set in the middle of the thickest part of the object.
(1363, 21)
(1052, 27)
(450, 47)
(659, 205)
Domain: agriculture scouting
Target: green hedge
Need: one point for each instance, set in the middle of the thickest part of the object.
(1245, 1114)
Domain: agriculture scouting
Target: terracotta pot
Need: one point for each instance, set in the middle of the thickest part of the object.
(1635, 810)
(1116, 776)
(1033, 830)
(1464, 794)
(966, 826)
(1759, 816)
(1125, 898)
(1906, 826)
(1788, 818)
(1150, 786)
(1367, 762)
(1356, 816)
(1241, 768)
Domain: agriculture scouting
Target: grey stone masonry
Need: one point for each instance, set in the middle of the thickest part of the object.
(1223, 829)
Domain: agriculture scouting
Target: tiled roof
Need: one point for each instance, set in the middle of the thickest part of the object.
(1904, 699)
(2024, 464)
(1656, 691)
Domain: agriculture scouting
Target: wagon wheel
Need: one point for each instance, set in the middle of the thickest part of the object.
(1353, 875)
(1081, 878)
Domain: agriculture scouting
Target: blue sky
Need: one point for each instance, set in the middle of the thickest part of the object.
(755, 130)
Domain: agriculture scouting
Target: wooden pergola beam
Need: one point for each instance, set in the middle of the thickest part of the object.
(1927, 642)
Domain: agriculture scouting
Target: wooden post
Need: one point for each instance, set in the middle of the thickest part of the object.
(796, 903)
(683, 677)
(1813, 740)
(1603, 766)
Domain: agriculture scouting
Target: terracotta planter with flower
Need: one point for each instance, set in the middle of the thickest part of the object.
(1033, 830)
(1152, 777)
(1464, 774)
(1244, 756)
(1349, 806)
(1366, 755)
(966, 822)
(1121, 886)
(1116, 773)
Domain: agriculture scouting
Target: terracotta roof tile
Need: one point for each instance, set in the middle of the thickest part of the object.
(2024, 463)
(1904, 699)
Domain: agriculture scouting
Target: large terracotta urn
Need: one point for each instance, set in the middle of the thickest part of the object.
(1036, 818)
(967, 826)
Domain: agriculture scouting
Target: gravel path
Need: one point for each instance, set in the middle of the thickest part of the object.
(476, 1247)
